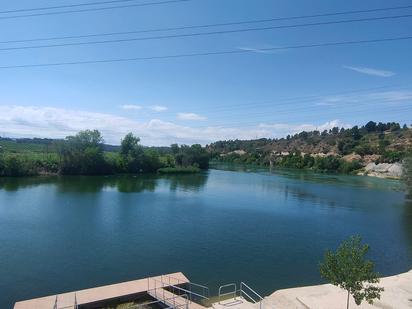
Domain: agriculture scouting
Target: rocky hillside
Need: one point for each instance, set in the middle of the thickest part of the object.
(338, 149)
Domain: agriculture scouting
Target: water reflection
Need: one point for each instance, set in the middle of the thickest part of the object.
(121, 183)
(310, 176)
(188, 182)
(408, 223)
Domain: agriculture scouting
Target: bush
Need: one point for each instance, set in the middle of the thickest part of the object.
(392, 156)
(349, 167)
(327, 164)
(13, 165)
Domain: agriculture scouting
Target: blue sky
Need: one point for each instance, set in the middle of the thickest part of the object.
(203, 99)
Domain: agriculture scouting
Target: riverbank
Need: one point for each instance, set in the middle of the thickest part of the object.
(391, 171)
(397, 295)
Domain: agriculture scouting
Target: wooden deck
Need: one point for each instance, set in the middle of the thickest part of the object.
(102, 293)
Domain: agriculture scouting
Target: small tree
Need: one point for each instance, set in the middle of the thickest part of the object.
(350, 270)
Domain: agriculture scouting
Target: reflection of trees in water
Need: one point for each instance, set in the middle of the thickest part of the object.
(187, 182)
(408, 223)
(133, 184)
(15, 183)
(95, 184)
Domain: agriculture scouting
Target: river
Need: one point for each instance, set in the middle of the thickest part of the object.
(268, 229)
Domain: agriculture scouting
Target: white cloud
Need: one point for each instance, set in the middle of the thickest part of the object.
(131, 107)
(283, 129)
(35, 121)
(158, 108)
(190, 116)
(370, 71)
(389, 96)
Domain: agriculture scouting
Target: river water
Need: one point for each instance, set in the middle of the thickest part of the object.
(268, 229)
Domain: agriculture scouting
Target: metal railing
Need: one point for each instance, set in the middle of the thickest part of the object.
(166, 283)
(244, 291)
(234, 292)
(191, 285)
(256, 298)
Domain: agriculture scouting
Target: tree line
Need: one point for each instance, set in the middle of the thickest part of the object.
(322, 150)
(84, 154)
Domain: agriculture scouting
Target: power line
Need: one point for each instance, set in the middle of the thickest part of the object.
(203, 33)
(66, 6)
(285, 110)
(316, 110)
(95, 9)
(211, 33)
(301, 99)
(204, 26)
(308, 114)
(227, 52)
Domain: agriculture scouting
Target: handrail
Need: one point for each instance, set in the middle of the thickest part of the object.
(206, 289)
(228, 293)
(243, 292)
(192, 283)
(253, 291)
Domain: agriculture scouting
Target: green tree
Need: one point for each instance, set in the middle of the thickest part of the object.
(82, 154)
(131, 153)
(370, 126)
(407, 175)
(349, 269)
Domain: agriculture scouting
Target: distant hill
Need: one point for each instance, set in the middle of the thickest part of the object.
(40, 145)
(373, 142)
(47, 145)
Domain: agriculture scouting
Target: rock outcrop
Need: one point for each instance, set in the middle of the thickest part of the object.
(383, 170)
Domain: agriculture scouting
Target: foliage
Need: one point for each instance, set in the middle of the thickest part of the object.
(131, 154)
(321, 151)
(12, 165)
(350, 270)
(407, 175)
(194, 155)
(392, 156)
(82, 154)
(328, 164)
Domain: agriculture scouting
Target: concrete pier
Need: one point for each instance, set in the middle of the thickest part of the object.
(397, 295)
(102, 293)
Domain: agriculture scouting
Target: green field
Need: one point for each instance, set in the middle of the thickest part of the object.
(19, 147)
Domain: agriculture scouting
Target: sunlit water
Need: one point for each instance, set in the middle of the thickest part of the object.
(267, 229)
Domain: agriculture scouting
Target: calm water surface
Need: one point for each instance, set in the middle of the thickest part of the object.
(267, 229)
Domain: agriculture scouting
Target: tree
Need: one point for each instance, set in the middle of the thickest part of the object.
(82, 154)
(407, 175)
(131, 153)
(350, 270)
(370, 126)
(194, 155)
